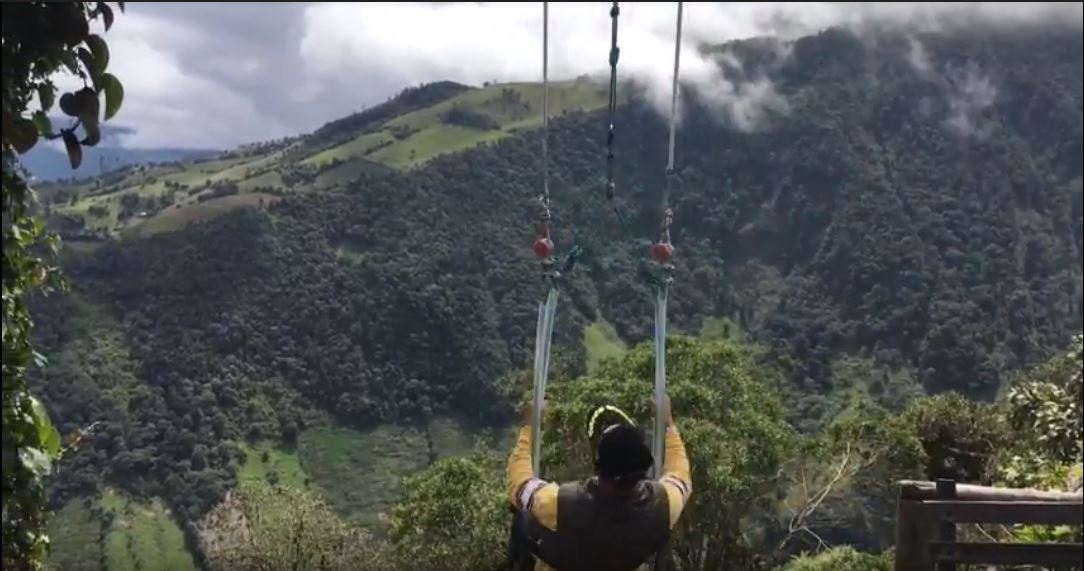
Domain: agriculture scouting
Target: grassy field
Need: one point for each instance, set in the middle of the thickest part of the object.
(359, 473)
(270, 179)
(403, 142)
(75, 532)
(265, 462)
(602, 343)
(510, 106)
(176, 218)
(358, 147)
(141, 537)
(722, 329)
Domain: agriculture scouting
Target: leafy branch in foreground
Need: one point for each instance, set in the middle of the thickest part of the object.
(40, 40)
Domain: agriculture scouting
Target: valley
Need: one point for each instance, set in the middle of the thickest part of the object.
(349, 314)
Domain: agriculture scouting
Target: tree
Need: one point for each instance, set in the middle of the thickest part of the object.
(733, 429)
(453, 516)
(1044, 412)
(839, 559)
(271, 528)
(961, 437)
(40, 39)
(841, 485)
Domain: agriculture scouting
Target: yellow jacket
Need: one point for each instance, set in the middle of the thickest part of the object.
(526, 489)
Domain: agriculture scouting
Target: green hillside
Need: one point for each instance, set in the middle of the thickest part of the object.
(147, 200)
(116, 533)
(378, 275)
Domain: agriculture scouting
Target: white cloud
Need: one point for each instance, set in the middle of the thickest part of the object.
(971, 93)
(219, 74)
(967, 91)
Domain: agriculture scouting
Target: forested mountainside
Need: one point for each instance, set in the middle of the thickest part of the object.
(915, 201)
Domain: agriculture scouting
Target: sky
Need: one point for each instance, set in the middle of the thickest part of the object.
(216, 75)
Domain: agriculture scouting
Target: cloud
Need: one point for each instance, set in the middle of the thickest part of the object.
(919, 58)
(221, 74)
(967, 91)
(971, 93)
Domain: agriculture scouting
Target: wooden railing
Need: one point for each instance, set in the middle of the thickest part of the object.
(928, 513)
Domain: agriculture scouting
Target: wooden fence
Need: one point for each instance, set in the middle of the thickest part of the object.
(928, 513)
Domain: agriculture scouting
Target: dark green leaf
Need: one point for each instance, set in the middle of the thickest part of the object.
(87, 106)
(75, 152)
(68, 104)
(100, 49)
(42, 122)
(114, 94)
(107, 15)
(70, 61)
(71, 22)
(93, 133)
(24, 135)
(8, 124)
(88, 62)
(46, 95)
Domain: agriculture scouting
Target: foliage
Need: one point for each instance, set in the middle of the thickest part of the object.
(271, 528)
(1044, 413)
(453, 516)
(841, 484)
(734, 434)
(464, 117)
(839, 559)
(1045, 406)
(39, 40)
(961, 437)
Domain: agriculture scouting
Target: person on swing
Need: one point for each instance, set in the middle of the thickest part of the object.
(614, 521)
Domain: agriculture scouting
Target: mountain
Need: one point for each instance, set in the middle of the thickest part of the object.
(913, 202)
(48, 163)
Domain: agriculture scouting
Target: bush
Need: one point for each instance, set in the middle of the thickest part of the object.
(467, 529)
(468, 118)
(961, 437)
(840, 559)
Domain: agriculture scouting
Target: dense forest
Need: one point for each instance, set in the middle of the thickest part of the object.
(909, 222)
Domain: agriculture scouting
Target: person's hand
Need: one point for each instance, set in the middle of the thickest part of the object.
(667, 412)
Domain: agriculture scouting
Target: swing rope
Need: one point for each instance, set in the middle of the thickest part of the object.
(546, 109)
(543, 248)
(615, 54)
(661, 253)
(667, 212)
(617, 221)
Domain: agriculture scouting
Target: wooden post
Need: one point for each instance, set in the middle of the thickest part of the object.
(946, 525)
(913, 536)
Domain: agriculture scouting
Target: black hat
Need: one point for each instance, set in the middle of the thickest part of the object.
(622, 454)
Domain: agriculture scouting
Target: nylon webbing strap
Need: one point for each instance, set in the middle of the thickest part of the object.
(547, 314)
(657, 448)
